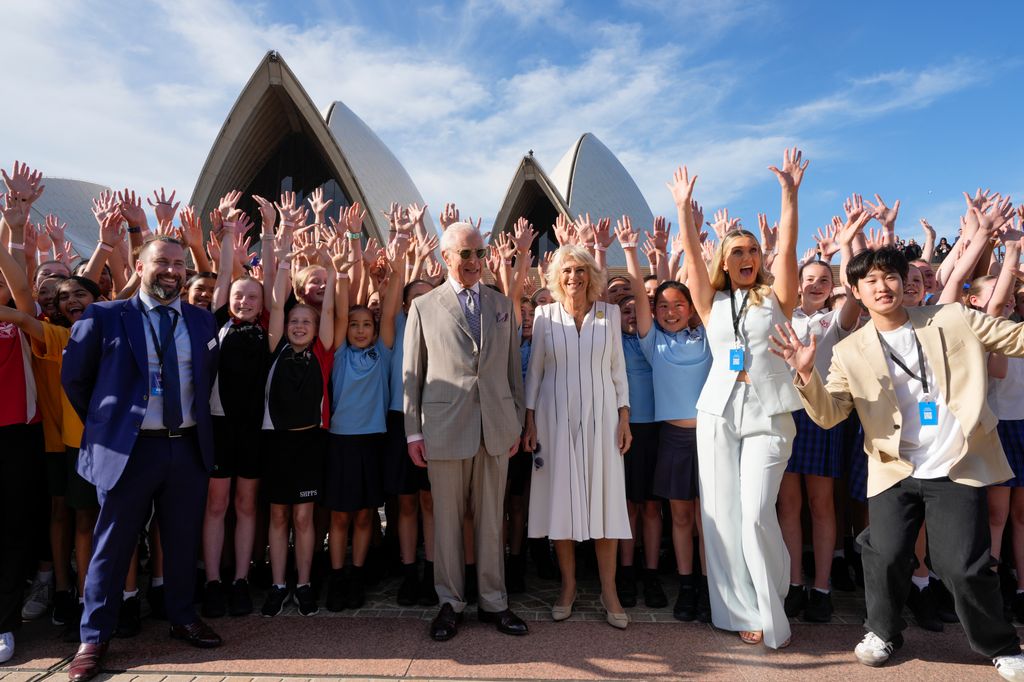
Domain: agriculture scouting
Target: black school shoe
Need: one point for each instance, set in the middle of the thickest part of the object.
(654, 594)
(703, 600)
(239, 598)
(305, 597)
(157, 605)
(796, 600)
(625, 585)
(355, 595)
(275, 601)
(64, 603)
(945, 607)
(409, 589)
(215, 600)
(427, 593)
(685, 608)
(337, 587)
(129, 618)
(819, 607)
(840, 575)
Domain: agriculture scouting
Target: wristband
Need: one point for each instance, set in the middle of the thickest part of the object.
(628, 245)
(402, 235)
(354, 235)
(600, 248)
(134, 230)
(103, 246)
(284, 266)
(507, 261)
(19, 247)
(342, 275)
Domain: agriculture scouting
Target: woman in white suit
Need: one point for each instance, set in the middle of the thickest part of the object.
(577, 425)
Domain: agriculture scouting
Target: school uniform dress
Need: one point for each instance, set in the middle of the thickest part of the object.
(744, 436)
(357, 434)
(236, 401)
(295, 419)
(817, 451)
(643, 453)
(575, 384)
(1006, 399)
(680, 362)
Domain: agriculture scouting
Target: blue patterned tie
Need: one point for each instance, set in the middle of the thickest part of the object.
(171, 380)
(472, 311)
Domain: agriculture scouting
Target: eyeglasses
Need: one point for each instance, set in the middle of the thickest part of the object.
(466, 254)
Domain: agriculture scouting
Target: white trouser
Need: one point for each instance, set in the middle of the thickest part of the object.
(742, 456)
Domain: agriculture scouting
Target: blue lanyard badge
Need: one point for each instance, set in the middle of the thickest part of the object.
(736, 359)
(929, 412)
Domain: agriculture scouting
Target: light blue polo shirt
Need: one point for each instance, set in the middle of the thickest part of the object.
(641, 381)
(397, 354)
(359, 398)
(680, 363)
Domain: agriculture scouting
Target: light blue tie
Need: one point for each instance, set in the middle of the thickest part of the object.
(472, 311)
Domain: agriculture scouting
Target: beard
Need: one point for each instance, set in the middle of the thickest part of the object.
(162, 292)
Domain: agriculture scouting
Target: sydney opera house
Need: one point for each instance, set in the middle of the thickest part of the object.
(275, 139)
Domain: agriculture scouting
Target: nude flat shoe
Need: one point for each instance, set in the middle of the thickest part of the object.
(616, 620)
(559, 613)
(751, 636)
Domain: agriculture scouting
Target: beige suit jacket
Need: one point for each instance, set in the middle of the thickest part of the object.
(458, 395)
(955, 341)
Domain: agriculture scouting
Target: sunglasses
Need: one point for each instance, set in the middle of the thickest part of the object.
(466, 254)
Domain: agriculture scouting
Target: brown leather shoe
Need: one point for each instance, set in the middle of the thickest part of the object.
(198, 634)
(86, 663)
(506, 621)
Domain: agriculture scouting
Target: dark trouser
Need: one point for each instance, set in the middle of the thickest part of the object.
(20, 454)
(958, 544)
(170, 472)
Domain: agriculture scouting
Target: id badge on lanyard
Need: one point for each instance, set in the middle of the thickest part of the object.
(737, 356)
(929, 412)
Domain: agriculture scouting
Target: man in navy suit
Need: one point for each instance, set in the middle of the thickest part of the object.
(139, 374)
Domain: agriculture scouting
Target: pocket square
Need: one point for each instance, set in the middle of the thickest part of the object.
(212, 344)
(501, 317)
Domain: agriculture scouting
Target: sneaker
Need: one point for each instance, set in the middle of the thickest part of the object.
(276, 599)
(157, 604)
(129, 618)
(336, 587)
(840, 576)
(654, 595)
(945, 607)
(239, 599)
(408, 590)
(873, 651)
(819, 607)
(306, 599)
(7, 647)
(427, 594)
(1008, 667)
(685, 608)
(625, 586)
(63, 607)
(796, 599)
(703, 601)
(215, 600)
(355, 595)
(922, 605)
(40, 597)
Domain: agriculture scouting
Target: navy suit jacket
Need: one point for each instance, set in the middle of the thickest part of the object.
(106, 378)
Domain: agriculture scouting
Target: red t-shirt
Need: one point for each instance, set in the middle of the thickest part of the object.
(19, 403)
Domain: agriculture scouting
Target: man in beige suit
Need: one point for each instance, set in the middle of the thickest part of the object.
(917, 378)
(463, 420)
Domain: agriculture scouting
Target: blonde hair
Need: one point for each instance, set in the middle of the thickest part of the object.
(576, 254)
(720, 278)
(300, 278)
(976, 289)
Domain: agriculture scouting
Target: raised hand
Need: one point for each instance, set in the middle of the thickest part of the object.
(650, 250)
(585, 229)
(164, 207)
(884, 214)
(15, 212)
(130, 206)
(979, 200)
(112, 229)
(319, 205)
(787, 345)
(769, 234)
(809, 255)
(55, 229)
(826, 239)
(506, 247)
(31, 239)
(995, 214)
(929, 231)
(681, 187)
(268, 214)
(353, 217)
(493, 260)
(854, 207)
(625, 234)
(425, 248)
(191, 226)
(603, 233)
(793, 167)
(524, 236)
(448, 216)
(697, 211)
(228, 202)
(875, 239)
(723, 225)
(565, 231)
(23, 186)
(104, 205)
(434, 272)
(416, 214)
(660, 233)
(371, 251)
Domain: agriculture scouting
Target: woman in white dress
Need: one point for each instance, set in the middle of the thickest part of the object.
(577, 425)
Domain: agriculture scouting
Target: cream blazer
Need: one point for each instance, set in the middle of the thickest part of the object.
(955, 340)
(459, 395)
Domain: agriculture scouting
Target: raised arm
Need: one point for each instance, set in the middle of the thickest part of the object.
(928, 250)
(392, 299)
(785, 267)
(282, 287)
(627, 240)
(110, 235)
(15, 215)
(697, 278)
(977, 250)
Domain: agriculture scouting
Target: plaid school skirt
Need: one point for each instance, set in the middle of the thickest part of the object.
(1011, 435)
(855, 460)
(816, 451)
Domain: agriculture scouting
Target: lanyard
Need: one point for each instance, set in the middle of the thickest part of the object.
(737, 316)
(158, 345)
(923, 379)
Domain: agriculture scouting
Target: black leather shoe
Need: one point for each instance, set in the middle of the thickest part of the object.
(198, 634)
(87, 662)
(506, 621)
(446, 624)
(129, 620)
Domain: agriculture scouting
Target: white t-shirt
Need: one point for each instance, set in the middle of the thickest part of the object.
(1006, 396)
(824, 326)
(931, 449)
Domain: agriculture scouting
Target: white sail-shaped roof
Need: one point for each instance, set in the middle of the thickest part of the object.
(71, 201)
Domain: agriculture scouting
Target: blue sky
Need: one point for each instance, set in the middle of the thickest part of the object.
(911, 100)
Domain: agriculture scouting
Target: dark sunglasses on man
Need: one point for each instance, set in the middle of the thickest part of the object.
(466, 254)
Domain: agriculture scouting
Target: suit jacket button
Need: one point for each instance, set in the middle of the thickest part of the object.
(896, 426)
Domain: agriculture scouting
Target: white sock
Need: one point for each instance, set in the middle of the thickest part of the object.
(818, 589)
(1020, 591)
(302, 585)
(839, 554)
(44, 576)
(157, 582)
(281, 587)
(81, 600)
(920, 582)
(128, 595)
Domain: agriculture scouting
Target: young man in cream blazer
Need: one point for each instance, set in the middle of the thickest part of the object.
(932, 448)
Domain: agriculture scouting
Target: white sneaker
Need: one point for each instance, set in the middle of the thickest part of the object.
(40, 597)
(1010, 667)
(6, 646)
(873, 650)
